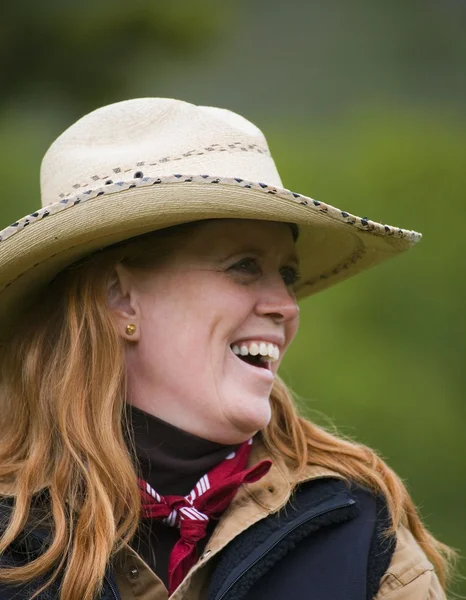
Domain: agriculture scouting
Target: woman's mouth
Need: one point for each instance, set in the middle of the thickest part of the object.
(257, 353)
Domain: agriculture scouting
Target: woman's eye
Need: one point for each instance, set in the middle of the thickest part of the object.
(246, 265)
(290, 275)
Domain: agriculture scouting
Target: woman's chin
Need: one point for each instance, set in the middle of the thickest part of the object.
(249, 419)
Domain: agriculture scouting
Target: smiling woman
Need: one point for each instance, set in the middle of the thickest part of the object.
(148, 447)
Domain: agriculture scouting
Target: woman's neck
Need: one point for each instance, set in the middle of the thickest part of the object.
(171, 460)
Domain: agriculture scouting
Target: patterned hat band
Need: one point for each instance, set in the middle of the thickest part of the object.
(146, 164)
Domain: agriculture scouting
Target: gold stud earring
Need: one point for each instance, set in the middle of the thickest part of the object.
(130, 329)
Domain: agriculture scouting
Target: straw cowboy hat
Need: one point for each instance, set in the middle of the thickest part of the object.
(145, 164)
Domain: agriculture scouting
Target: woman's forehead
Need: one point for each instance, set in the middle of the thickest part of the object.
(230, 235)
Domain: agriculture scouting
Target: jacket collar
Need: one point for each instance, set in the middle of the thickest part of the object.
(274, 489)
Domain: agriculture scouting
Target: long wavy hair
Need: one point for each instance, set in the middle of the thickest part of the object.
(64, 428)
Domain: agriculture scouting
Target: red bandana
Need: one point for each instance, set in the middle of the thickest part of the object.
(210, 497)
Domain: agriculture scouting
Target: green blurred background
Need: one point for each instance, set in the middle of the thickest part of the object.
(363, 106)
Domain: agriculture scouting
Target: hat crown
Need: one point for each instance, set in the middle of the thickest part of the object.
(156, 137)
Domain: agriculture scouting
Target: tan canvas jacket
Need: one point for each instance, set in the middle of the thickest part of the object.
(410, 575)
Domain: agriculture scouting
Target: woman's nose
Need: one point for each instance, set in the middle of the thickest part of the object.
(278, 303)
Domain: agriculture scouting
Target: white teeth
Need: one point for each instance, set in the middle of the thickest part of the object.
(267, 352)
(254, 349)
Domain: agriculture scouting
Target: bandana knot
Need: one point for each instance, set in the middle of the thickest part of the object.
(191, 514)
(193, 531)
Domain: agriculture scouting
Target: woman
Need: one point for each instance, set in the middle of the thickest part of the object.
(148, 447)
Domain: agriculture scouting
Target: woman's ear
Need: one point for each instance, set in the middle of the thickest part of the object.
(122, 303)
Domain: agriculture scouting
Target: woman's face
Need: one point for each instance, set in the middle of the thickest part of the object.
(214, 320)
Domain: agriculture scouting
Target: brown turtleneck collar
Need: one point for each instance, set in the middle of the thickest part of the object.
(172, 460)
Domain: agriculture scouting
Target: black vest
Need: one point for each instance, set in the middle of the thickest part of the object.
(326, 544)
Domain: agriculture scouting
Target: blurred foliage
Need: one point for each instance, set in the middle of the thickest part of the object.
(381, 355)
(80, 52)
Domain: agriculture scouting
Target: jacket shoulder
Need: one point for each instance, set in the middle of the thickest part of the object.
(410, 575)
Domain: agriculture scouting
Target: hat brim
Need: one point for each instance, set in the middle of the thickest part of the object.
(332, 246)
